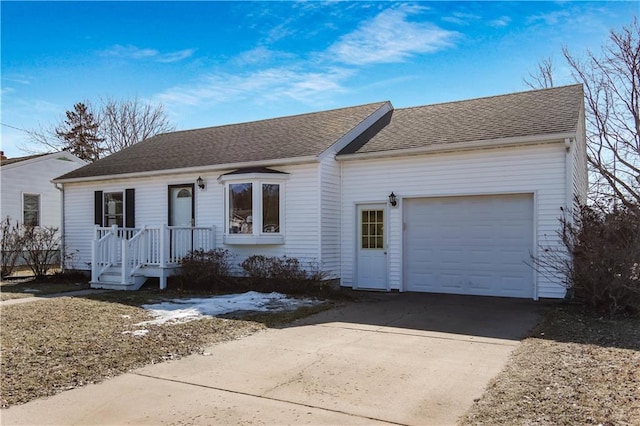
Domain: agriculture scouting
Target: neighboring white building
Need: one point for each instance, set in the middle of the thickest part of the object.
(28, 195)
(478, 185)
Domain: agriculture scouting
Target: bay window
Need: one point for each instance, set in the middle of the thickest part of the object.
(254, 205)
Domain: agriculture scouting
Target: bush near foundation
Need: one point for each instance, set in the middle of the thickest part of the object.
(603, 269)
(285, 275)
(206, 271)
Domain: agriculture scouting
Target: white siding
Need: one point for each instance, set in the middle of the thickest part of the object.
(330, 189)
(537, 169)
(301, 212)
(34, 177)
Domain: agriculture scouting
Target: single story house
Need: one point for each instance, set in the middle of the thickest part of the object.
(451, 198)
(28, 195)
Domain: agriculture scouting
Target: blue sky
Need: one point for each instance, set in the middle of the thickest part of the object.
(213, 63)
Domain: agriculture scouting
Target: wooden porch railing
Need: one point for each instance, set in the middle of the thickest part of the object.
(156, 246)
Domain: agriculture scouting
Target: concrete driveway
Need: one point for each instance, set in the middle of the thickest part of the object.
(391, 358)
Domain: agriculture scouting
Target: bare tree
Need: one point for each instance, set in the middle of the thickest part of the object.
(542, 78)
(111, 127)
(612, 94)
(127, 122)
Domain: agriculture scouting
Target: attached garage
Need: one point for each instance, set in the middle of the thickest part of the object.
(477, 245)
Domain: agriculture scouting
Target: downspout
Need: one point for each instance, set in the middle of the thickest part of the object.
(568, 165)
(60, 187)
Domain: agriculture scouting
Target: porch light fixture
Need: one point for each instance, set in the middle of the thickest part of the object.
(392, 199)
(200, 182)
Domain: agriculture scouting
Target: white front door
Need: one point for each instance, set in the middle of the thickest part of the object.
(181, 205)
(372, 248)
(181, 214)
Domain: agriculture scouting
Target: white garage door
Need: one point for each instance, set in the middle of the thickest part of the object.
(469, 245)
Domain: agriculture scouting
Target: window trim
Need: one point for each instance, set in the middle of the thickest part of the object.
(39, 211)
(258, 236)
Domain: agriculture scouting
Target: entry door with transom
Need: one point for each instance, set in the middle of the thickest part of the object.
(372, 251)
(181, 215)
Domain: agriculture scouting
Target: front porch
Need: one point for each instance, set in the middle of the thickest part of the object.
(124, 258)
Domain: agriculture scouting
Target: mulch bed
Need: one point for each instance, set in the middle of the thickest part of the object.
(575, 369)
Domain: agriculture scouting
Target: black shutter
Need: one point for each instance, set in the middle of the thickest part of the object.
(130, 206)
(97, 208)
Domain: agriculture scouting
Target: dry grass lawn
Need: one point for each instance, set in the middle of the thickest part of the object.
(576, 369)
(53, 345)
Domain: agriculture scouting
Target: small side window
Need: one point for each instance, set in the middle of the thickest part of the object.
(31, 209)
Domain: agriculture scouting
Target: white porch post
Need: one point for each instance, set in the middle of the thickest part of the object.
(94, 255)
(112, 247)
(212, 238)
(163, 246)
(125, 262)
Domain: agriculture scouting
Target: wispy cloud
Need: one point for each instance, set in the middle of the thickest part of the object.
(551, 18)
(461, 18)
(502, 21)
(259, 86)
(18, 80)
(137, 53)
(260, 55)
(390, 37)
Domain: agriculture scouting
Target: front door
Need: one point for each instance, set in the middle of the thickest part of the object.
(181, 205)
(372, 251)
(181, 214)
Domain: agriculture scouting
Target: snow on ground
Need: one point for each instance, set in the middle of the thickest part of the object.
(184, 310)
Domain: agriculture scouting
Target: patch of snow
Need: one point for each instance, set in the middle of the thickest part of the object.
(185, 310)
(137, 333)
(31, 290)
(125, 316)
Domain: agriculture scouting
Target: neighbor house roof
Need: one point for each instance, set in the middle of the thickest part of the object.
(9, 163)
(554, 111)
(13, 160)
(278, 138)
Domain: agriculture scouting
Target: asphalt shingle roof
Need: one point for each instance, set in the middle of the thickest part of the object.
(532, 113)
(278, 138)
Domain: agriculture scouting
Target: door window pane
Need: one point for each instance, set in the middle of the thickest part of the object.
(113, 209)
(31, 209)
(372, 228)
(240, 208)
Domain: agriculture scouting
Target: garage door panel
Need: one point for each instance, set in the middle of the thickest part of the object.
(469, 245)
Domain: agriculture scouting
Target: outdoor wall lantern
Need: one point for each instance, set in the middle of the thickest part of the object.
(392, 199)
(200, 182)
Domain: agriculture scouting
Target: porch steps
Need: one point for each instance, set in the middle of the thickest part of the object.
(111, 279)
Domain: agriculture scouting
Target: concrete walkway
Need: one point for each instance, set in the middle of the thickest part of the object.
(413, 359)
